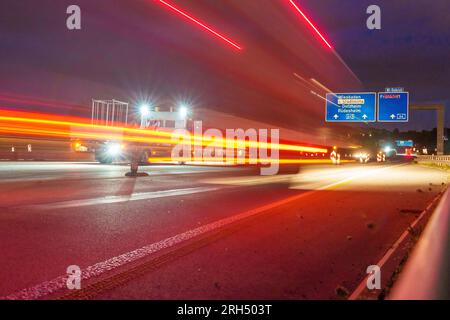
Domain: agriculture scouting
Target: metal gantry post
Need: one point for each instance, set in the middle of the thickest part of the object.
(440, 110)
(440, 130)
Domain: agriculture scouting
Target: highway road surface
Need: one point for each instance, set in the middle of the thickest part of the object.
(194, 232)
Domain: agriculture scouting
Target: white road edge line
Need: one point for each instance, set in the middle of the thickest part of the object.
(48, 287)
(362, 286)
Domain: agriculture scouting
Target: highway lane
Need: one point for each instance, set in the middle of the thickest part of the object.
(27, 171)
(335, 221)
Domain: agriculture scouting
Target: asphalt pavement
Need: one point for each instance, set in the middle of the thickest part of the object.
(202, 232)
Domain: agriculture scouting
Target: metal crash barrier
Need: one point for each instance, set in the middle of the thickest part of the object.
(442, 161)
(426, 275)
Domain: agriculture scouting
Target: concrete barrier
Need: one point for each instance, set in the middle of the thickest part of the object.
(34, 149)
(46, 156)
(426, 275)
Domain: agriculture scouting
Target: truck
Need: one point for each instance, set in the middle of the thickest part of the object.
(115, 113)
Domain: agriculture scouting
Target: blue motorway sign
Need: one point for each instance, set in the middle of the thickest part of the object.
(404, 143)
(393, 107)
(350, 107)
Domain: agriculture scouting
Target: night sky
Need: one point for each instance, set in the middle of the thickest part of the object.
(412, 50)
(136, 49)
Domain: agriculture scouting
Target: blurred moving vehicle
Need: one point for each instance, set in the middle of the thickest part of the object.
(161, 122)
(366, 155)
(113, 112)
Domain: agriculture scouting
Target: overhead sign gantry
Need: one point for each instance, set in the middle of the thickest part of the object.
(351, 107)
(393, 107)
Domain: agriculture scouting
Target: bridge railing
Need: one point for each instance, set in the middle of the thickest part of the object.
(432, 159)
(426, 275)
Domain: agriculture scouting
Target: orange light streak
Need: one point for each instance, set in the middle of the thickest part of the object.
(65, 126)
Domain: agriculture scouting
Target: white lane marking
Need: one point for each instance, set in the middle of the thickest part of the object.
(59, 283)
(362, 286)
(32, 175)
(48, 287)
(118, 199)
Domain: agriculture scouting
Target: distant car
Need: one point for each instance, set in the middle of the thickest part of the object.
(365, 156)
(362, 156)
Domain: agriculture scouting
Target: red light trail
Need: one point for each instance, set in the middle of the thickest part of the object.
(310, 23)
(15, 122)
(204, 26)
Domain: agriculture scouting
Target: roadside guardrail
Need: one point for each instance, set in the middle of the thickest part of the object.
(442, 161)
(426, 275)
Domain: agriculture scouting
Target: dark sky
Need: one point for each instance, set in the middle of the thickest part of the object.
(412, 50)
(132, 49)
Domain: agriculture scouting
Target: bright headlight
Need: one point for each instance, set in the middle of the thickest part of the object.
(144, 110)
(114, 149)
